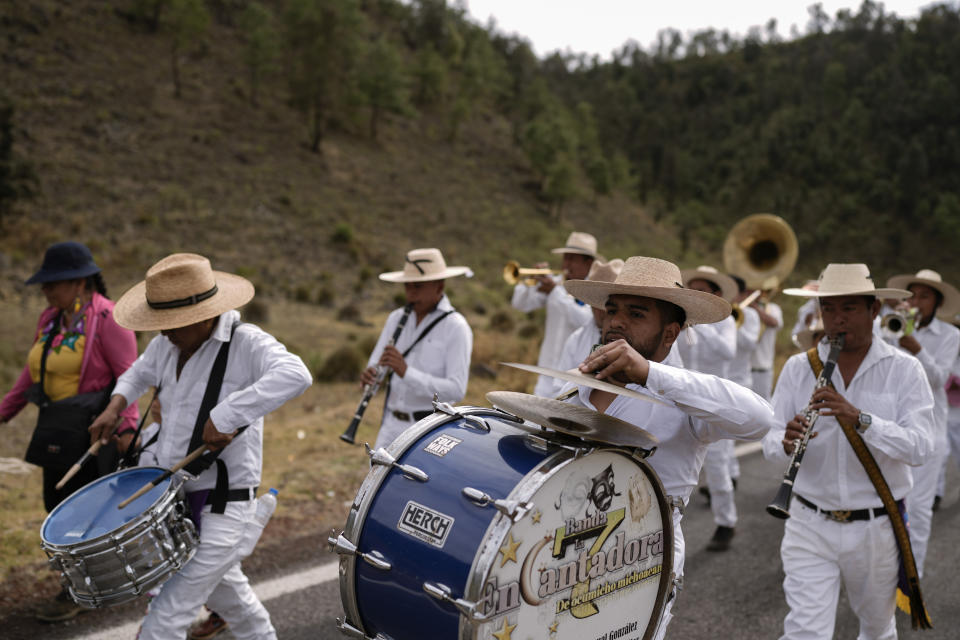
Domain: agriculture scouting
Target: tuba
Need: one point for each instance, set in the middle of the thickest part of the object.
(761, 249)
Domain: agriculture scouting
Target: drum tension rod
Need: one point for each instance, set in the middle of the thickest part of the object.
(444, 593)
(381, 457)
(445, 407)
(351, 631)
(341, 546)
(513, 509)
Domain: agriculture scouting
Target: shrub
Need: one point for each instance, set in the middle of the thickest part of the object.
(502, 321)
(342, 233)
(348, 313)
(256, 311)
(343, 365)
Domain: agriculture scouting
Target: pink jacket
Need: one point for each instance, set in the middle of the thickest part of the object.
(110, 351)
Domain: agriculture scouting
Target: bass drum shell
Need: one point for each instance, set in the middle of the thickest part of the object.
(108, 556)
(605, 505)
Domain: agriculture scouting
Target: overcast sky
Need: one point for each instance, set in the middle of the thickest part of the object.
(602, 26)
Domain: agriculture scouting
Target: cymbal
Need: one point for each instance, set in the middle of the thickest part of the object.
(588, 380)
(572, 419)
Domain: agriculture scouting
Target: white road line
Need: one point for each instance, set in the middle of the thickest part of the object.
(747, 448)
(266, 591)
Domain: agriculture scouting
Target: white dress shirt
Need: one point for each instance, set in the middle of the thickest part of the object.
(704, 409)
(767, 345)
(261, 375)
(439, 364)
(747, 335)
(940, 342)
(808, 308)
(890, 386)
(709, 348)
(565, 314)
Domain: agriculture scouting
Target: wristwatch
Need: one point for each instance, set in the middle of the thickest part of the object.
(863, 422)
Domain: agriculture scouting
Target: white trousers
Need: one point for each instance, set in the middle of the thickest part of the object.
(716, 468)
(213, 576)
(390, 428)
(678, 556)
(920, 505)
(953, 437)
(818, 555)
(762, 383)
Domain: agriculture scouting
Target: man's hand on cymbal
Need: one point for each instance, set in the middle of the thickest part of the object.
(617, 361)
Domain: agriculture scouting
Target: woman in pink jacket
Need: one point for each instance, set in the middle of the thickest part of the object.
(88, 352)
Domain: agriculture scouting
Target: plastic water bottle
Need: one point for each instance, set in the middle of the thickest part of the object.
(266, 505)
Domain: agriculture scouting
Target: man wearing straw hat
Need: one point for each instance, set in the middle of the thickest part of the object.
(565, 314)
(844, 528)
(431, 356)
(645, 309)
(771, 321)
(935, 344)
(711, 348)
(194, 308)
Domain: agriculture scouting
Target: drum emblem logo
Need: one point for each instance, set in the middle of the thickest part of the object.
(442, 445)
(426, 524)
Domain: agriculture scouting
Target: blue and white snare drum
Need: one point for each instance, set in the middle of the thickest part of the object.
(485, 527)
(107, 555)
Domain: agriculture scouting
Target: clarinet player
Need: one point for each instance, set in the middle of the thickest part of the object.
(431, 354)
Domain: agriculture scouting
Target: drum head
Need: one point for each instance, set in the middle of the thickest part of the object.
(592, 556)
(91, 511)
(573, 419)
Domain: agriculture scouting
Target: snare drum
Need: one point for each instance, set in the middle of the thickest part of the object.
(474, 526)
(107, 555)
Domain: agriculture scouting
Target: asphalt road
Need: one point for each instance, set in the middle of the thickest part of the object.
(736, 594)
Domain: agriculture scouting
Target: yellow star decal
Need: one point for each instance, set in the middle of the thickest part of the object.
(536, 517)
(509, 549)
(504, 633)
(553, 627)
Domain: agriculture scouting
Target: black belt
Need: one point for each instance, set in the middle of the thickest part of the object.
(759, 370)
(416, 416)
(234, 495)
(842, 515)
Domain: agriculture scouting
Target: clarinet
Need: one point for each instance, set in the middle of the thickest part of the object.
(370, 390)
(780, 507)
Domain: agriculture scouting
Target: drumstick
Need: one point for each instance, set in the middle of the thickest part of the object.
(196, 453)
(92, 451)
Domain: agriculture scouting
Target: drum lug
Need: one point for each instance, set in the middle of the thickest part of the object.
(444, 593)
(513, 509)
(351, 631)
(341, 546)
(381, 457)
(445, 407)
(643, 454)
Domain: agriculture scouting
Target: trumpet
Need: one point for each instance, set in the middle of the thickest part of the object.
(900, 323)
(738, 307)
(780, 507)
(513, 273)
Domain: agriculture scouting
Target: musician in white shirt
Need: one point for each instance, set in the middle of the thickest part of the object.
(935, 344)
(565, 314)
(761, 364)
(645, 310)
(432, 353)
(838, 531)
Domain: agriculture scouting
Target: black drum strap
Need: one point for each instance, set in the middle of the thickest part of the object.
(210, 398)
(218, 501)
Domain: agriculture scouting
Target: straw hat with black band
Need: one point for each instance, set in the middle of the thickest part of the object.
(424, 265)
(653, 278)
(180, 290)
(580, 243)
(847, 280)
(950, 306)
(727, 285)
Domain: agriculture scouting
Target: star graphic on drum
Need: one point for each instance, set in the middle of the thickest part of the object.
(509, 549)
(506, 631)
(553, 627)
(536, 516)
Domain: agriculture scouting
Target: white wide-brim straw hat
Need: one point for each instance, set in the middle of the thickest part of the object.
(424, 265)
(653, 278)
(605, 271)
(180, 290)
(804, 338)
(579, 242)
(951, 297)
(847, 280)
(728, 286)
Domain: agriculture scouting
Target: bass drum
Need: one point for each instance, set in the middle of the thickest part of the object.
(476, 526)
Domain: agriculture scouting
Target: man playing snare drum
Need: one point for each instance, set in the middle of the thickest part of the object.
(194, 309)
(645, 309)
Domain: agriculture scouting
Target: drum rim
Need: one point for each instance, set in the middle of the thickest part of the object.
(500, 526)
(170, 493)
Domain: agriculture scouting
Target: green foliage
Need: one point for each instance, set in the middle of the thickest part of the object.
(261, 46)
(323, 38)
(382, 82)
(186, 20)
(343, 365)
(430, 72)
(16, 176)
(342, 233)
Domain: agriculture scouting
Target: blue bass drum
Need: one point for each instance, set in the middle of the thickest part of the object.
(107, 555)
(476, 525)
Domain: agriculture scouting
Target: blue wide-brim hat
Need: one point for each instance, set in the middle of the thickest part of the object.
(65, 261)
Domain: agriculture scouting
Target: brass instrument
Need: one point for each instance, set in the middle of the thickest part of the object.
(780, 507)
(513, 273)
(900, 322)
(738, 307)
(761, 249)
